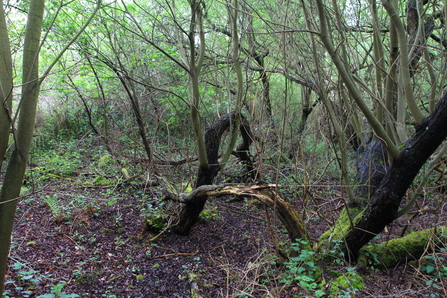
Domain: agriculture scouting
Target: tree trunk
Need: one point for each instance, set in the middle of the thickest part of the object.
(417, 41)
(243, 152)
(264, 192)
(306, 110)
(384, 204)
(6, 85)
(25, 128)
(371, 161)
(400, 250)
(205, 176)
(31, 83)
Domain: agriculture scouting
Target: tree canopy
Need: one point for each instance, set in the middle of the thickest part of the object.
(271, 100)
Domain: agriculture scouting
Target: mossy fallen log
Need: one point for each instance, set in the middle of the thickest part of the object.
(396, 251)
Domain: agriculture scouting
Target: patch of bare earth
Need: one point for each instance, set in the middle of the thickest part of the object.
(103, 250)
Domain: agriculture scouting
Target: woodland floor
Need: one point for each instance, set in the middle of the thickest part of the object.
(94, 242)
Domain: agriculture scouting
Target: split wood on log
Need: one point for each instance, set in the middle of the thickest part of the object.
(265, 192)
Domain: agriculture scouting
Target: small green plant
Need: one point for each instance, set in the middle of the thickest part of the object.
(435, 272)
(63, 160)
(208, 214)
(55, 206)
(56, 292)
(155, 215)
(435, 265)
(302, 269)
(28, 279)
(347, 283)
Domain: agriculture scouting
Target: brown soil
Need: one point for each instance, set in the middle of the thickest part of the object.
(102, 249)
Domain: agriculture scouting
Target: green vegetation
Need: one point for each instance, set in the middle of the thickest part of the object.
(29, 278)
(303, 269)
(114, 113)
(396, 251)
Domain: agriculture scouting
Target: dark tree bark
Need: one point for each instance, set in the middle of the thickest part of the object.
(372, 165)
(213, 134)
(384, 204)
(243, 152)
(266, 193)
(306, 111)
(372, 162)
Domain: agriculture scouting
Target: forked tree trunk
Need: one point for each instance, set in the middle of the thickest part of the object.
(213, 134)
(384, 204)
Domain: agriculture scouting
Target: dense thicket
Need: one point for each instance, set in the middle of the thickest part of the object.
(293, 93)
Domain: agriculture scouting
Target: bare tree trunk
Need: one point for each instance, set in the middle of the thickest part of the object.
(372, 158)
(264, 192)
(31, 82)
(17, 162)
(5, 86)
(372, 165)
(306, 110)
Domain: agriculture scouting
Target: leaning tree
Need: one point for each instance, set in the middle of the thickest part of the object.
(404, 128)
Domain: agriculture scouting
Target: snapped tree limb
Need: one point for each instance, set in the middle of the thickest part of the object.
(267, 193)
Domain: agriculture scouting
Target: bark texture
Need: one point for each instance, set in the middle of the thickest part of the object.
(264, 192)
(417, 40)
(384, 204)
(15, 170)
(205, 176)
(6, 85)
(371, 161)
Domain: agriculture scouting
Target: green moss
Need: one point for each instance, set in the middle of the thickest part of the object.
(395, 251)
(156, 224)
(333, 273)
(208, 214)
(101, 181)
(350, 281)
(104, 160)
(342, 225)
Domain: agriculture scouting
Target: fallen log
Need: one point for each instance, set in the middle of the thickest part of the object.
(266, 193)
